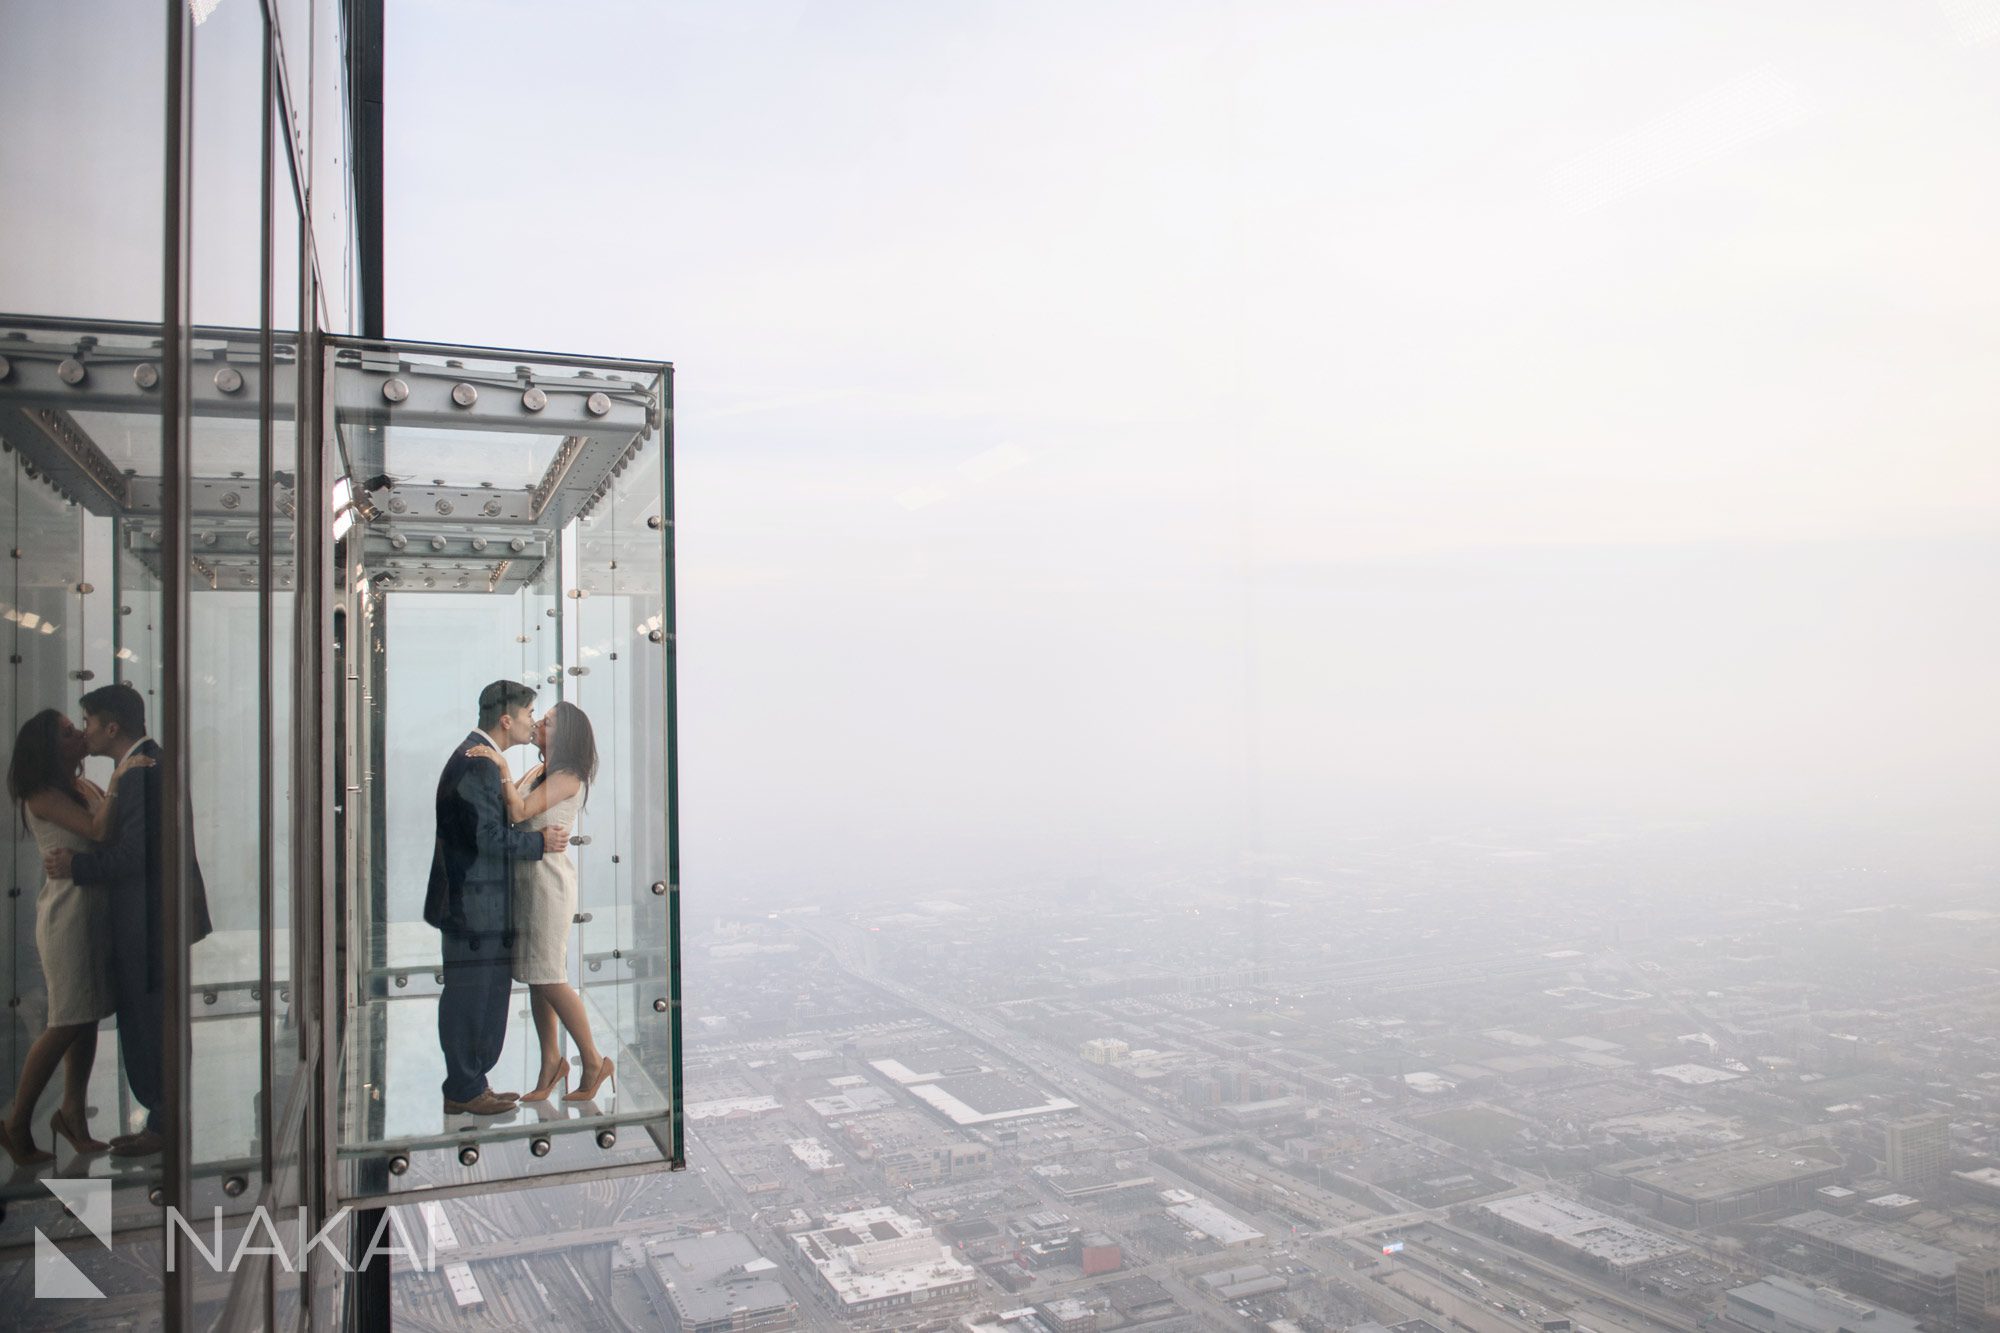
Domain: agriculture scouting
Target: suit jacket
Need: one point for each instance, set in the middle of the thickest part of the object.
(472, 863)
(130, 864)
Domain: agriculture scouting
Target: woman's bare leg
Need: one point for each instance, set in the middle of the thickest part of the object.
(565, 1004)
(77, 1061)
(36, 1071)
(546, 1032)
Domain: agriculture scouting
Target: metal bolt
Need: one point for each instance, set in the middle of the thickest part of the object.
(534, 399)
(437, 543)
(402, 981)
(518, 545)
(208, 997)
(478, 543)
(398, 505)
(156, 1196)
(395, 390)
(399, 1164)
(606, 1139)
(70, 371)
(229, 379)
(598, 404)
(657, 636)
(397, 541)
(491, 509)
(540, 1147)
(145, 374)
(468, 1156)
(85, 589)
(659, 888)
(234, 1186)
(465, 395)
(230, 499)
(655, 522)
(660, 1005)
(444, 506)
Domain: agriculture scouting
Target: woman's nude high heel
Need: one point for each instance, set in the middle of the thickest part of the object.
(78, 1141)
(542, 1090)
(586, 1091)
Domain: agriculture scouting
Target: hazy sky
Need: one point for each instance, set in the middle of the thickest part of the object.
(1218, 423)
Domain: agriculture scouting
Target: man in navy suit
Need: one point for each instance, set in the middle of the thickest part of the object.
(128, 868)
(470, 897)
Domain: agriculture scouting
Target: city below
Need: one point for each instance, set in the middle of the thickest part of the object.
(1335, 1107)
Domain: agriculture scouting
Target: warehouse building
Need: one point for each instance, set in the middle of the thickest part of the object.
(1581, 1232)
(1877, 1262)
(1719, 1187)
(1780, 1305)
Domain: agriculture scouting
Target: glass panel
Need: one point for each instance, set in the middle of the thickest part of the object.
(620, 672)
(509, 459)
(82, 93)
(281, 502)
(225, 751)
(294, 30)
(499, 538)
(332, 217)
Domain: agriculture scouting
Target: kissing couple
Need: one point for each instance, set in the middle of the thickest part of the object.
(503, 895)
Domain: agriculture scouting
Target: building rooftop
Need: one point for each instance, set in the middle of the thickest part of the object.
(1819, 1309)
(709, 1278)
(1876, 1243)
(1723, 1174)
(1199, 1215)
(876, 1254)
(1618, 1243)
(1695, 1074)
(980, 1099)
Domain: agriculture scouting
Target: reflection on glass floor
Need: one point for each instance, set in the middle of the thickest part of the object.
(392, 1098)
(226, 1084)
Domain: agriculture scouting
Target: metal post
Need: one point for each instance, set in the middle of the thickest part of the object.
(171, 715)
(267, 569)
(672, 646)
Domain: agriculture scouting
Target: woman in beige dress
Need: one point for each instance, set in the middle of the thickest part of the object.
(63, 809)
(552, 793)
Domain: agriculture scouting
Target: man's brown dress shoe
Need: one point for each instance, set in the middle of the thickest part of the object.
(484, 1104)
(137, 1145)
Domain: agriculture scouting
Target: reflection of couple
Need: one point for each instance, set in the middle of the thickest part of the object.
(503, 894)
(99, 919)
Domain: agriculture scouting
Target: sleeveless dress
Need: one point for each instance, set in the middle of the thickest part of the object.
(545, 903)
(71, 931)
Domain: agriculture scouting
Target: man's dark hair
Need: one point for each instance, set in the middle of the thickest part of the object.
(121, 704)
(500, 698)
